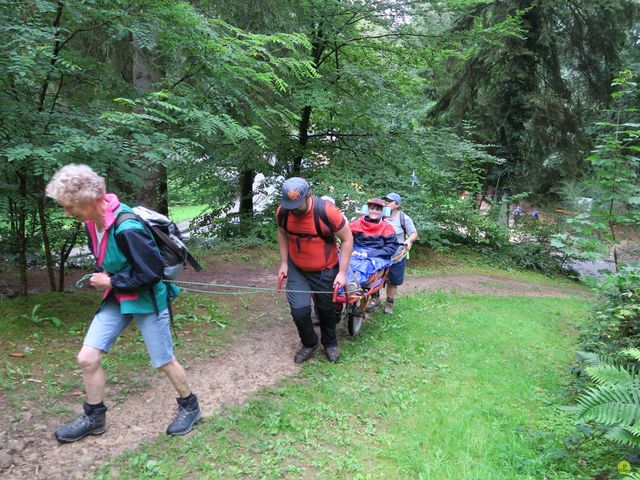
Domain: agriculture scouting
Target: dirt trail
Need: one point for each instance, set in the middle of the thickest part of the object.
(258, 359)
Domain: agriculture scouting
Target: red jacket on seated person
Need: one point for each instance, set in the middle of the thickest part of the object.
(372, 234)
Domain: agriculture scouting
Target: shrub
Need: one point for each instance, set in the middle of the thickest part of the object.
(615, 321)
(533, 246)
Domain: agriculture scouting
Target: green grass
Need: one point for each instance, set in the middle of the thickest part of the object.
(181, 213)
(38, 359)
(427, 262)
(463, 387)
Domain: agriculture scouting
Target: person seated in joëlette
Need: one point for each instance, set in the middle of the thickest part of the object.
(372, 236)
(373, 239)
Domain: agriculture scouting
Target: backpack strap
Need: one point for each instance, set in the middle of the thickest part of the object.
(123, 217)
(193, 262)
(120, 219)
(320, 214)
(283, 217)
(403, 223)
(319, 217)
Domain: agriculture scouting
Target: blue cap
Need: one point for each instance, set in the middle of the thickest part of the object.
(394, 197)
(294, 192)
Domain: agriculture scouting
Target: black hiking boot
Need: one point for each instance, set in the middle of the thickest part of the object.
(304, 354)
(187, 415)
(332, 354)
(92, 422)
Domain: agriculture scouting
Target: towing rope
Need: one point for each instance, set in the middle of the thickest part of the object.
(247, 288)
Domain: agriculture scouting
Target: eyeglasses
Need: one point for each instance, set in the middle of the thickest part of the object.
(374, 207)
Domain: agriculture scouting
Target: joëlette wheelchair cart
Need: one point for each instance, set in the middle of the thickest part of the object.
(351, 302)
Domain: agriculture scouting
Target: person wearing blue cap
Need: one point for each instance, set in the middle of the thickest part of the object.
(307, 231)
(406, 234)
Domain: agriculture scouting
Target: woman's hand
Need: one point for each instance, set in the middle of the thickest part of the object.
(100, 281)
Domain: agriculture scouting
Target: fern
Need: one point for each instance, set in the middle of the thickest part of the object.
(610, 374)
(633, 353)
(593, 359)
(623, 436)
(615, 401)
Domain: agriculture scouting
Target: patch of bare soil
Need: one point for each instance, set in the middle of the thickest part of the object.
(259, 359)
(38, 282)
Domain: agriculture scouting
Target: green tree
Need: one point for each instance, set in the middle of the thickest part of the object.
(67, 62)
(532, 81)
(615, 178)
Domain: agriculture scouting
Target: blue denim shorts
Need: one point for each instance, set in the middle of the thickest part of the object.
(109, 322)
(396, 272)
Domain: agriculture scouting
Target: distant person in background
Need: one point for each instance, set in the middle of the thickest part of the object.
(406, 234)
(129, 270)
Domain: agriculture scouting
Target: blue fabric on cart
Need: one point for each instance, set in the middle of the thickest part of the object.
(362, 268)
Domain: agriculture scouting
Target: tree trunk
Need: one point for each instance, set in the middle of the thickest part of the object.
(305, 119)
(45, 240)
(65, 251)
(152, 191)
(303, 139)
(39, 183)
(246, 198)
(22, 234)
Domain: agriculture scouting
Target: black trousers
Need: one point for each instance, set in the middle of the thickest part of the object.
(300, 304)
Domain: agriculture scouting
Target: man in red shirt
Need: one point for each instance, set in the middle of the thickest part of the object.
(307, 227)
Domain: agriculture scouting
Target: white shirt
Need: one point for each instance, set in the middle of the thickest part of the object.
(99, 236)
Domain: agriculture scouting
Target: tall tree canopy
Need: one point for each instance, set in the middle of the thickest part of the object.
(533, 86)
(193, 100)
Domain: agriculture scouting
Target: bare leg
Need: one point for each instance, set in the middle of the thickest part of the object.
(391, 291)
(177, 376)
(92, 373)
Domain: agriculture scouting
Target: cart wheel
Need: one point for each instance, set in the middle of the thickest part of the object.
(356, 319)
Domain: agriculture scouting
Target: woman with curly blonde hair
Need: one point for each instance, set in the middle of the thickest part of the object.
(129, 270)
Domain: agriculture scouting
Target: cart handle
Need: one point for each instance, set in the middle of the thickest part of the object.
(402, 253)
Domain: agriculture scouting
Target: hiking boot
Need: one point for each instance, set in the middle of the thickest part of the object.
(304, 354)
(332, 354)
(388, 307)
(92, 422)
(187, 415)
